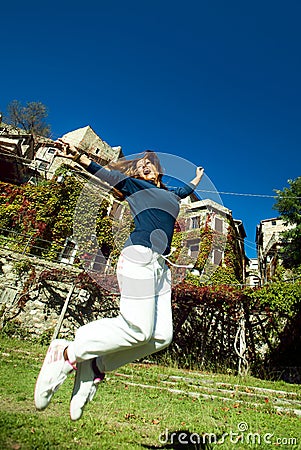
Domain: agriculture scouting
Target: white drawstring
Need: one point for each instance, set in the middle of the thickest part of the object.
(189, 266)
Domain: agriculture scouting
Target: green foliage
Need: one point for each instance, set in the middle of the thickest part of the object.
(14, 329)
(278, 297)
(180, 251)
(223, 275)
(233, 260)
(206, 320)
(288, 204)
(230, 270)
(283, 274)
(192, 279)
(206, 237)
(291, 250)
(46, 337)
(21, 267)
(38, 219)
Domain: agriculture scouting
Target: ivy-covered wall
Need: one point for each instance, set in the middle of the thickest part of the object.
(231, 267)
(36, 220)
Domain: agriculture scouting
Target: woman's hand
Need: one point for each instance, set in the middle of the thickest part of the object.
(198, 176)
(71, 152)
(67, 150)
(199, 172)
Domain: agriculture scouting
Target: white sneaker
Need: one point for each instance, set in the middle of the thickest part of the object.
(53, 373)
(86, 382)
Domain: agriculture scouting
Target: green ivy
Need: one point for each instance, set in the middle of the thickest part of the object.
(38, 219)
(281, 297)
(21, 267)
(229, 272)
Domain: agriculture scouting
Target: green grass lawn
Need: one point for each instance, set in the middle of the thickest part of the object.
(146, 406)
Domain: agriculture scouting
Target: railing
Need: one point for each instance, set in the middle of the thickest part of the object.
(33, 246)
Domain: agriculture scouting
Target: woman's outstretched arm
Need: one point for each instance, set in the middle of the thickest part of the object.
(69, 151)
(198, 176)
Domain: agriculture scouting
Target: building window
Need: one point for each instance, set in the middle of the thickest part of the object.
(117, 210)
(217, 256)
(274, 222)
(101, 258)
(99, 262)
(51, 151)
(218, 225)
(43, 166)
(194, 251)
(97, 151)
(193, 248)
(69, 252)
(195, 222)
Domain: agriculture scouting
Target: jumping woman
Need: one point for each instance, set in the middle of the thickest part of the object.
(144, 323)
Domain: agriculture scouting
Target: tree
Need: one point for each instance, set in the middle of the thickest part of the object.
(288, 204)
(30, 117)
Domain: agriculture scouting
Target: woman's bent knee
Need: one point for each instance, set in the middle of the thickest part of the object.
(164, 341)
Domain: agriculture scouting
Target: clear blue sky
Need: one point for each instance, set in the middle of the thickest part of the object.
(215, 82)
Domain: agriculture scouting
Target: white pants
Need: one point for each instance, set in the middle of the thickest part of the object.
(144, 325)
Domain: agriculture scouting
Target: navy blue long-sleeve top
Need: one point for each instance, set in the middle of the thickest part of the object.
(154, 209)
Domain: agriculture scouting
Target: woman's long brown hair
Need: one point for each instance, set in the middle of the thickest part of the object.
(129, 168)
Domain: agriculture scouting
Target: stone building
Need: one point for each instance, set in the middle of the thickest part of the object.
(27, 158)
(46, 162)
(89, 142)
(16, 154)
(195, 214)
(268, 242)
(252, 273)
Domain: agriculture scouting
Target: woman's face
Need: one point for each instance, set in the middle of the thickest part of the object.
(147, 170)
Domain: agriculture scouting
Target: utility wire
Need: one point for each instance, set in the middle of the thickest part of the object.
(241, 194)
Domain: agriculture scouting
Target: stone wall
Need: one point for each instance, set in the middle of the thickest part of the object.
(34, 305)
